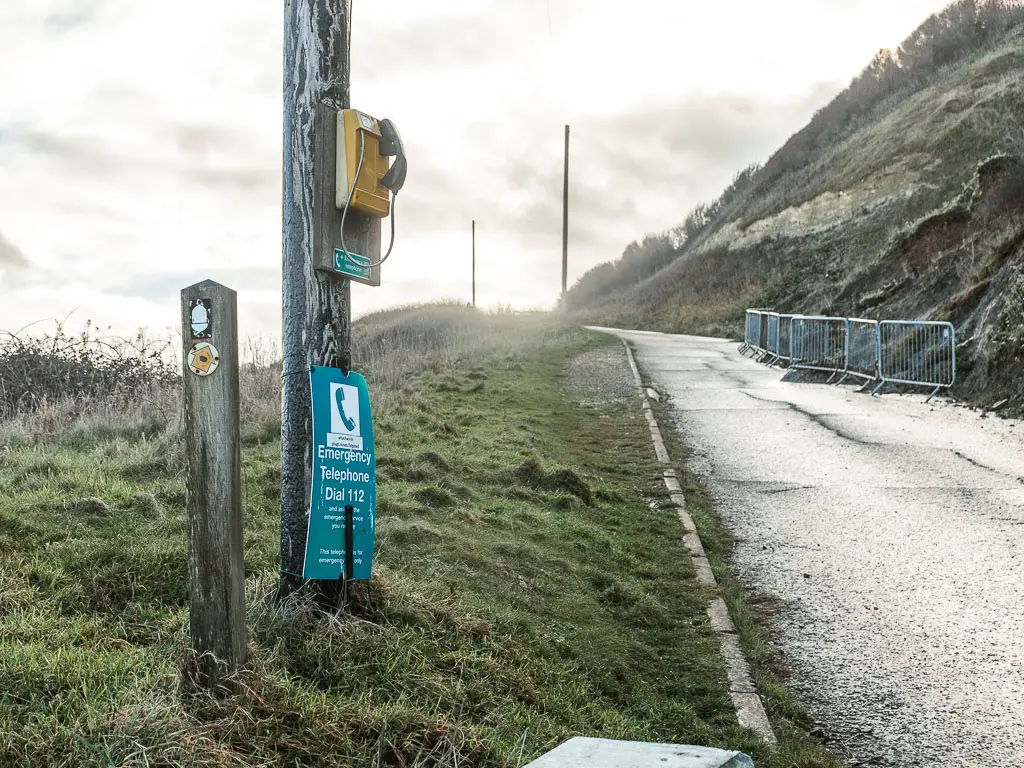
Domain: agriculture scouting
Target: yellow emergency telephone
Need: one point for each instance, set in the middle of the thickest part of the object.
(367, 180)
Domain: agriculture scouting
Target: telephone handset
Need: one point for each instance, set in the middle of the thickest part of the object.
(366, 176)
(391, 146)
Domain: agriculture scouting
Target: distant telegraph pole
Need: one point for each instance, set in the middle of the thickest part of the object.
(565, 216)
(317, 324)
(474, 262)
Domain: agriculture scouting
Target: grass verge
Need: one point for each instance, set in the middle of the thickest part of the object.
(528, 588)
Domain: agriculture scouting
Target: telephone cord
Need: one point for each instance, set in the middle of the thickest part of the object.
(355, 258)
(351, 191)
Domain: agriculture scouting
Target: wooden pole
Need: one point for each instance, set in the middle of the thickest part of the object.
(565, 216)
(213, 458)
(317, 325)
(474, 263)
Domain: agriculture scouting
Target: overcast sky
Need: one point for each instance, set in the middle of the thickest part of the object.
(140, 141)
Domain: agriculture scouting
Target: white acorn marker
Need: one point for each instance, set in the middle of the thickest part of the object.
(200, 320)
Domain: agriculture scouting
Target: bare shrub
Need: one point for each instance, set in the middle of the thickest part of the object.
(86, 387)
(39, 369)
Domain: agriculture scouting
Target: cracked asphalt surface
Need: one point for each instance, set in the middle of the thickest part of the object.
(891, 533)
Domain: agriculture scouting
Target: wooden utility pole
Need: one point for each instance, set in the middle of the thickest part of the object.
(317, 324)
(213, 460)
(565, 216)
(474, 262)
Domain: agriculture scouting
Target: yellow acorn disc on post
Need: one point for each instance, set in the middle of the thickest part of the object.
(203, 359)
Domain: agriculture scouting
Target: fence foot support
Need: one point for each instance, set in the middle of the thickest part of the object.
(877, 389)
(933, 394)
(845, 377)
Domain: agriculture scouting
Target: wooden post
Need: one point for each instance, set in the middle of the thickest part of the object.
(316, 302)
(474, 262)
(565, 216)
(216, 564)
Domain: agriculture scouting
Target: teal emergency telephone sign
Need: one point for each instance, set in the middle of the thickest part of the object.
(343, 493)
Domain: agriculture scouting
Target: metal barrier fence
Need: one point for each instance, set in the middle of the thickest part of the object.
(818, 343)
(861, 350)
(756, 336)
(780, 329)
(771, 347)
(909, 352)
(785, 351)
(752, 336)
(922, 353)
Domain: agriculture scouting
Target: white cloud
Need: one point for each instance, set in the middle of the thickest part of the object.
(140, 142)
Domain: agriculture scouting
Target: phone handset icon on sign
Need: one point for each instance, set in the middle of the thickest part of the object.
(349, 423)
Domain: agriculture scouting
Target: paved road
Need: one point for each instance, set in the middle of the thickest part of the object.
(890, 531)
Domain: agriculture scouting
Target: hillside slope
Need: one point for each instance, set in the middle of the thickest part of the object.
(912, 207)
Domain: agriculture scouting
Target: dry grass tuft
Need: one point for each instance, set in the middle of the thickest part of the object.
(88, 385)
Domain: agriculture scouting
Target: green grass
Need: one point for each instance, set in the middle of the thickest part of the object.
(529, 587)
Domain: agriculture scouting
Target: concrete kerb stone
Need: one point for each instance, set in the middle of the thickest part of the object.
(636, 377)
(659, 442)
(750, 712)
(686, 520)
(692, 542)
(705, 575)
(718, 611)
(740, 680)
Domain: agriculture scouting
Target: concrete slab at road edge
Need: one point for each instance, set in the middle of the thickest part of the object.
(584, 752)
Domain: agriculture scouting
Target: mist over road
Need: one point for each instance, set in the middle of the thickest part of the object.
(890, 531)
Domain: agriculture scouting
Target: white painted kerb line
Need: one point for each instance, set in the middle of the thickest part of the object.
(749, 707)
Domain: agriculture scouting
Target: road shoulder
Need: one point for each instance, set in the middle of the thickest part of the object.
(799, 738)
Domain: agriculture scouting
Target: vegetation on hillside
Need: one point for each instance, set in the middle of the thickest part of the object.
(528, 586)
(900, 199)
(944, 40)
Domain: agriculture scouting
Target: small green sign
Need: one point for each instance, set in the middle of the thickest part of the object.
(351, 264)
